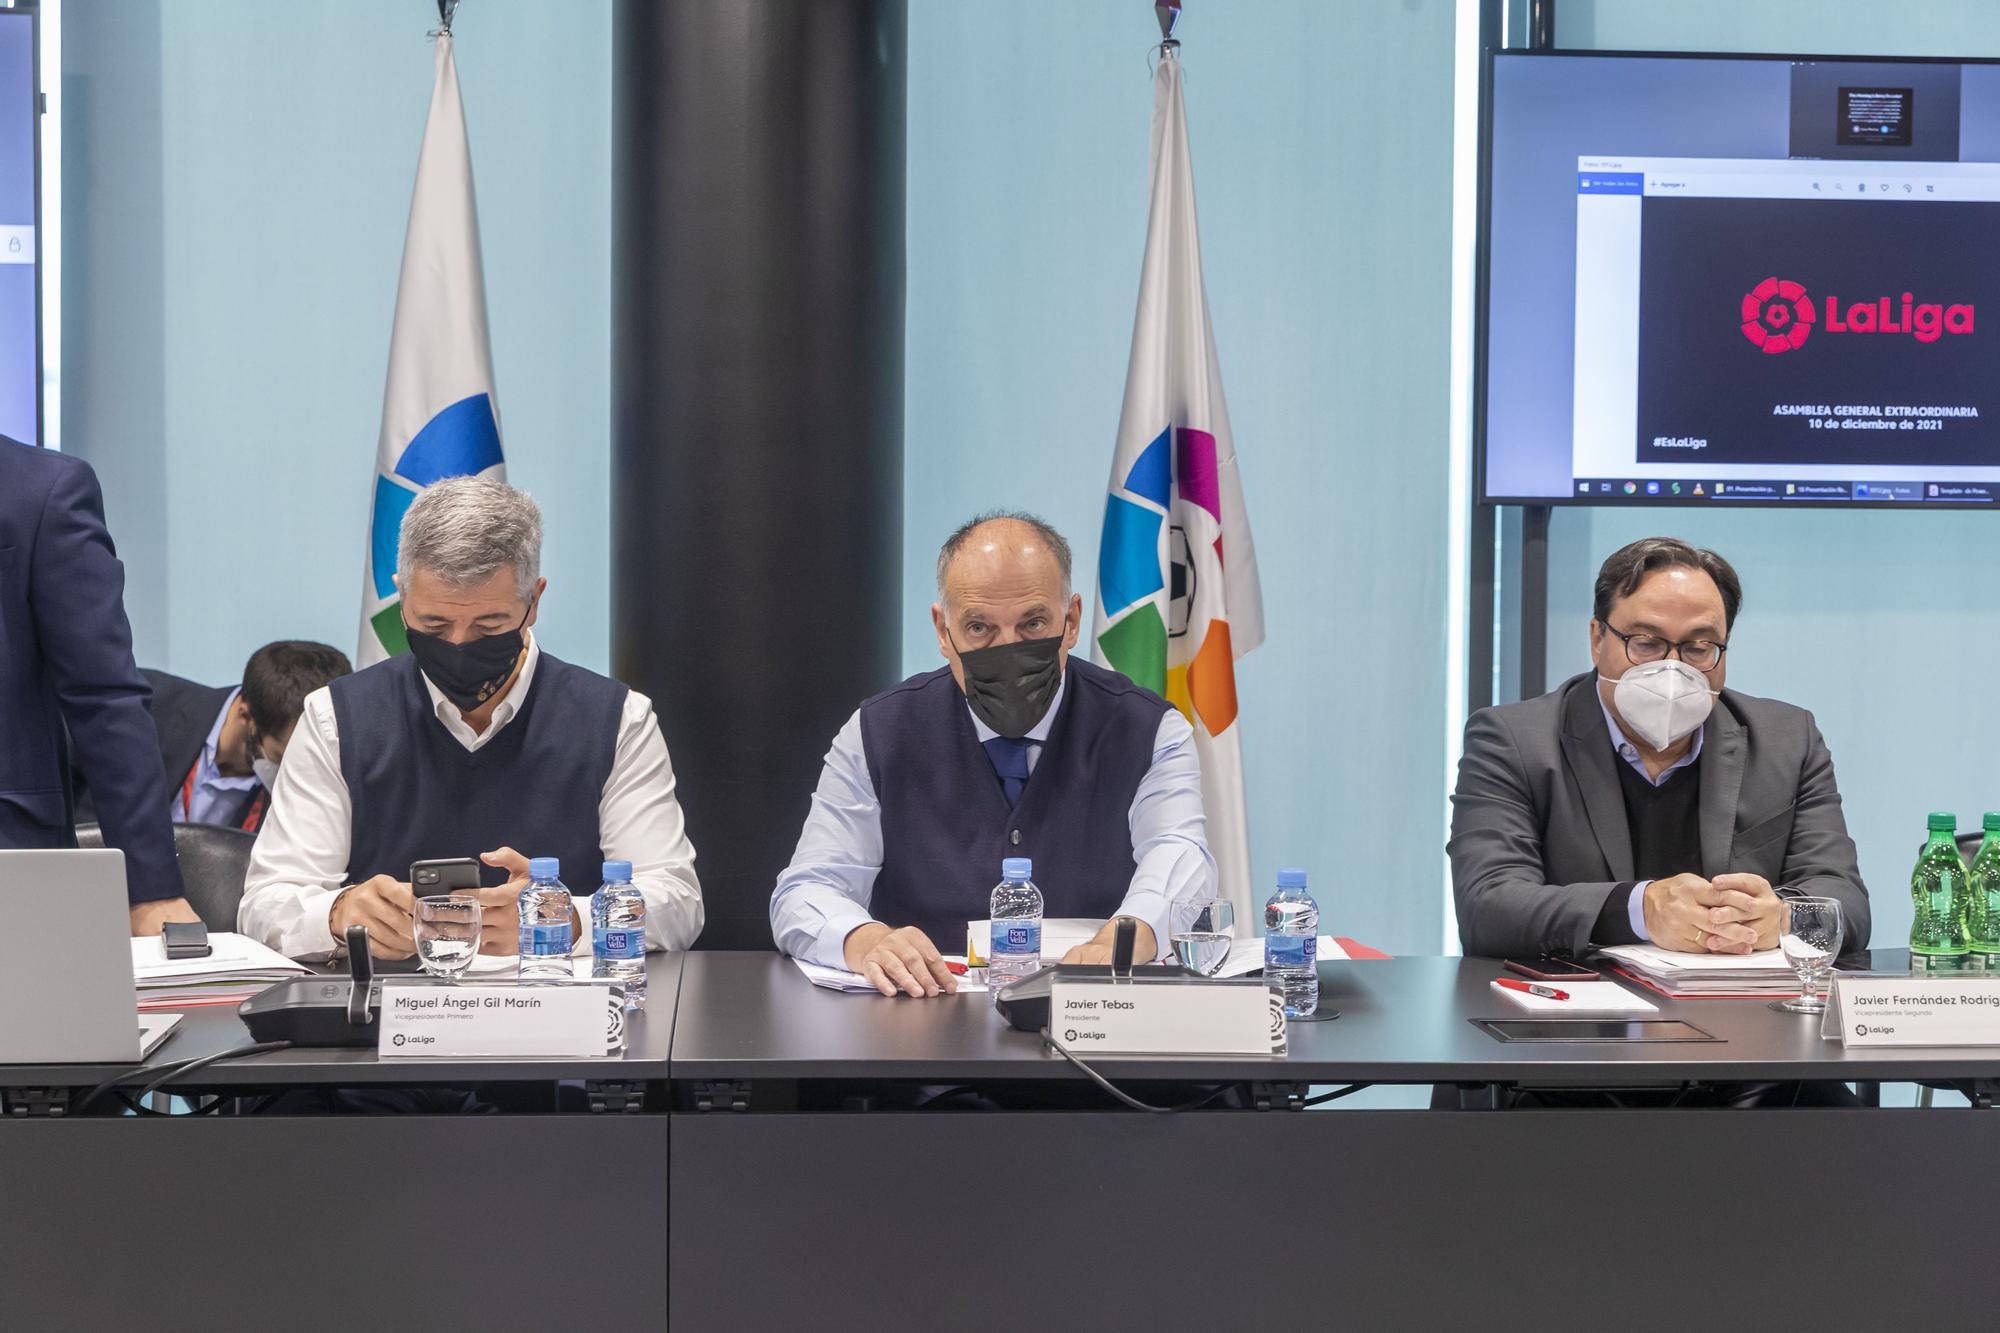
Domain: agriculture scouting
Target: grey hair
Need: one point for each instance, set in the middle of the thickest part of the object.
(1050, 538)
(466, 529)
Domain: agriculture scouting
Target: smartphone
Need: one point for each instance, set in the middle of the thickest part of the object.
(1551, 969)
(456, 874)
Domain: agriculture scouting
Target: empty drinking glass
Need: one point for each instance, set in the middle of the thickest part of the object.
(447, 933)
(1810, 940)
(1202, 929)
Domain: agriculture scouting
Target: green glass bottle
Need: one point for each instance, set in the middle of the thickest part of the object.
(1982, 916)
(1941, 890)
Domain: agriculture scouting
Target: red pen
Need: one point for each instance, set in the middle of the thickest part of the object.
(1529, 988)
(956, 969)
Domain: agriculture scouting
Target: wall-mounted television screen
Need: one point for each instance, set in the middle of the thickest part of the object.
(1740, 280)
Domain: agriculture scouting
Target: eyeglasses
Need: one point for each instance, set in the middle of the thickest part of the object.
(1701, 654)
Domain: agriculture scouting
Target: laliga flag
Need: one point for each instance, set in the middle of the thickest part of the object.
(438, 417)
(1177, 595)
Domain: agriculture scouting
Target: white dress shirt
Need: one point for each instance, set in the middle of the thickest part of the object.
(1635, 905)
(824, 893)
(299, 864)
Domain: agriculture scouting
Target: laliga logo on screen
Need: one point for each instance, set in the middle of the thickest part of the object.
(1778, 316)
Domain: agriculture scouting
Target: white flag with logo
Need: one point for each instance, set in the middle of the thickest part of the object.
(1177, 594)
(438, 414)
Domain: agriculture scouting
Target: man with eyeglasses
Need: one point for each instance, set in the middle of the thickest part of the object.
(1643, 800)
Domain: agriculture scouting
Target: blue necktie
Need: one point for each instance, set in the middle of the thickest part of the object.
(1010, 760)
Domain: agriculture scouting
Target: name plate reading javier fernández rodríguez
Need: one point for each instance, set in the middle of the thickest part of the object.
(1242, 1017)
(1868, 1013)
(488, 1021)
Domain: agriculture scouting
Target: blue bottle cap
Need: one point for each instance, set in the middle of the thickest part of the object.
(617, 872)
(544, 867)
(1017, 867)
(1291, 878)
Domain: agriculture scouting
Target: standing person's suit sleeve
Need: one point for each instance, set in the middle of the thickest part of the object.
(77, 591)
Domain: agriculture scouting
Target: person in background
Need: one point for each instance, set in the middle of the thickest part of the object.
(475, 742)
(1012, 748)
(69, 686)
(221, 745)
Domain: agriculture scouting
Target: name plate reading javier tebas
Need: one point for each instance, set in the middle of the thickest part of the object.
(486, 1020)
(1871, 1013)
(1237, 1017)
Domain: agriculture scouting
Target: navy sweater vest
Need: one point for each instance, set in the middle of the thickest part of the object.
(946, 825)
(418, 794)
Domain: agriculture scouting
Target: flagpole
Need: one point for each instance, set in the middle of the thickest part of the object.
(1177, 593)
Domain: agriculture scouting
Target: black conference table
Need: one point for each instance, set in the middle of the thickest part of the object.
(314, 1221)
(862, 1216)
(745, 1167)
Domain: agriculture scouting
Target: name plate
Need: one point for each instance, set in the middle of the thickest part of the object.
(480, 1021)
(1243, 1017)
(1869, 1013)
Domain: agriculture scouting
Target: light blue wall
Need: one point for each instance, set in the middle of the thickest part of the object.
(1322, 149)
(238, 177)
(1879, 622)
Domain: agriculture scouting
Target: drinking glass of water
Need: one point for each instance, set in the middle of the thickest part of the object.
(1810, 939)
(447, 933)
(1202, 929)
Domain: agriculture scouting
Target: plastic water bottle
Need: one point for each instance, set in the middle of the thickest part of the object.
(1016, 947)
(1941, 892)
(545, 930)
(1982, 916)
(1291, 944)
(618, 933)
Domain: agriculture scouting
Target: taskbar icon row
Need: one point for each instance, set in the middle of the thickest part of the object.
(1780, 492)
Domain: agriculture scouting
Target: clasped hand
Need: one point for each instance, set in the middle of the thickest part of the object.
(1731, 914)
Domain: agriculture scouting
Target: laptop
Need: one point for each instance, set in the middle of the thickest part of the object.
(66, 962)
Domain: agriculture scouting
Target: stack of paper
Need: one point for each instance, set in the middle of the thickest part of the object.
(1060, 934)
(1705, 976)
(853, 983)
(236, 968)
(1247, 955)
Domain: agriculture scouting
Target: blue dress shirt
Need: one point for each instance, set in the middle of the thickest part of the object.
(216, 798)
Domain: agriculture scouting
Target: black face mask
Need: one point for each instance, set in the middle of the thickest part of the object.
(1011, 685)
(472, 672)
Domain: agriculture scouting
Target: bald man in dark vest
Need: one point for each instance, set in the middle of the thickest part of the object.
(1011, 749)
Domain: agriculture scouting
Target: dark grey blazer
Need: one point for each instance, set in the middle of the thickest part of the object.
(1539, 837)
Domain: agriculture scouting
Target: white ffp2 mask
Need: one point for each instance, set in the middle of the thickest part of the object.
(1662, 701)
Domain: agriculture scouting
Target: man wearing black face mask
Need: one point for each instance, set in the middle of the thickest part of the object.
(475, 742)
(1013, 748)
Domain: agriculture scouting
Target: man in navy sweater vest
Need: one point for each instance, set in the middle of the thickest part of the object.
(1010, 749)
(475, 742)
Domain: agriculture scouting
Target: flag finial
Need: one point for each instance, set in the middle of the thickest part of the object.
(446, 8)
(1169, 13)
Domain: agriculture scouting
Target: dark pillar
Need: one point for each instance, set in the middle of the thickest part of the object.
(757, 403)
